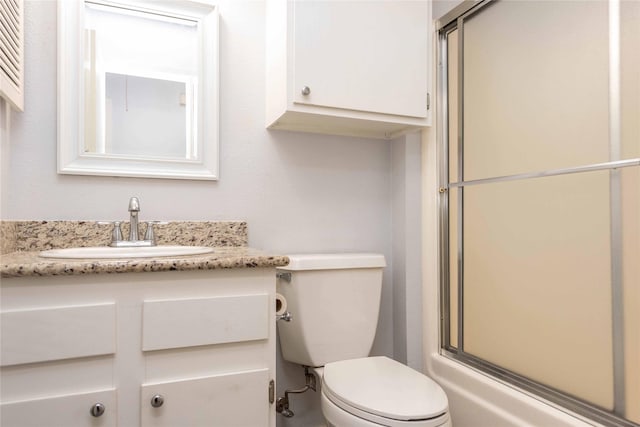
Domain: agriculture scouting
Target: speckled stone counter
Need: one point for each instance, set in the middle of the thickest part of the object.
(23, 240)
(8, 236)
(25, 264)
(43, 235)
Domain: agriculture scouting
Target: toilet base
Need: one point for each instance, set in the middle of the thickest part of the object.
(338, 417)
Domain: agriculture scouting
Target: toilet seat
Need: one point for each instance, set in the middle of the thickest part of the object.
(385, 392)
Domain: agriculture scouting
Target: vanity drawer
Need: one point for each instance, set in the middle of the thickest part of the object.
(204, 321)
(46, 334)
(70, 410)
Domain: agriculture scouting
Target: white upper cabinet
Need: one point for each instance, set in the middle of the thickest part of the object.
(364, 56)
(358, 68)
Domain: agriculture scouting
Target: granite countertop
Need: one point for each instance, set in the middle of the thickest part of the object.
(29, 264)
(22, 241)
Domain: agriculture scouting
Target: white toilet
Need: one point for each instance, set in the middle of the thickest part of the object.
(334, 300)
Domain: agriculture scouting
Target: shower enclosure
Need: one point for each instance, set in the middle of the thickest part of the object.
(540, 199)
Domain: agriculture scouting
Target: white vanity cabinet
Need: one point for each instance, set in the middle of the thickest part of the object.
(357, 68)
(189, 348)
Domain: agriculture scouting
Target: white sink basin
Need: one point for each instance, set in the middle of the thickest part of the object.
(133, 252)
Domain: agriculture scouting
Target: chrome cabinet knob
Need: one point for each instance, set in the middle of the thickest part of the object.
(157, 401)
(306, 90)
(97, 410)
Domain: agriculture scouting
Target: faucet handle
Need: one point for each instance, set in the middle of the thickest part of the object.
(116, 233)
(149, 234)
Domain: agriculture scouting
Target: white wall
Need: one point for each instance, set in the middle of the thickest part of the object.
(407, 250)
(298, 192)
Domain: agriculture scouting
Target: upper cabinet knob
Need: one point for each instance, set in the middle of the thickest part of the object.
(306, 90)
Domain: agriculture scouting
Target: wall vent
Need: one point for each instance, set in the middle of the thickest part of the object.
(12, 52)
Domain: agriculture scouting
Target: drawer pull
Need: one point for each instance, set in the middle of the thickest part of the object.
(157, 401)
(97, 410)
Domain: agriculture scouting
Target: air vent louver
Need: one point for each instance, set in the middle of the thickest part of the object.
(12, 52)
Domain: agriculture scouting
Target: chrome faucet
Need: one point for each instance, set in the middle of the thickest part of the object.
(134, 233)
(134, 208)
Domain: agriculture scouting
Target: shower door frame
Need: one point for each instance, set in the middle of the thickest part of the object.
(454, 20)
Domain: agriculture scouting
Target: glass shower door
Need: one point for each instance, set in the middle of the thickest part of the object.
(542, 221)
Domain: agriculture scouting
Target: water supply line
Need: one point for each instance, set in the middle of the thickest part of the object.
(282, 404)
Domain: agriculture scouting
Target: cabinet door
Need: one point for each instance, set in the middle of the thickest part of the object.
(238, 399)
(366, 56)
(73, 410)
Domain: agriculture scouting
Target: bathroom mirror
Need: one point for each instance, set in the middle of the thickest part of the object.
(138, 88)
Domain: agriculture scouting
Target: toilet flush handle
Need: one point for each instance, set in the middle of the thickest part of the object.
(283, 276)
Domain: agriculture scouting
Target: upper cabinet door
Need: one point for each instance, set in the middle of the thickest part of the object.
(362, 55)
(348, 67)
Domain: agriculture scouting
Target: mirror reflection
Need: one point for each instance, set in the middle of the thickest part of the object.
(141, 78)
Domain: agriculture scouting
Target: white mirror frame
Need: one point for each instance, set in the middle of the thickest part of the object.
(71, 158)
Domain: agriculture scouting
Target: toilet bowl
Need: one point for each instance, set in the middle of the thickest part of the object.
(378, 391)
(334, 302)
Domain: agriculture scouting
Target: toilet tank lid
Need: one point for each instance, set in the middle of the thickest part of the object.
(334, 261)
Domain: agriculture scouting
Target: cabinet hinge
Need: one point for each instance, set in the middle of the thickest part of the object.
(272, 392)
(428, 101)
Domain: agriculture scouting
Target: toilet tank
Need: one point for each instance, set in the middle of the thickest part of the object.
(334, 300)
